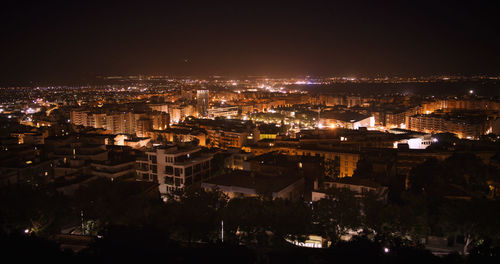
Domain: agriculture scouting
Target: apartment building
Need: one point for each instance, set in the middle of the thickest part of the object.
(174, 167)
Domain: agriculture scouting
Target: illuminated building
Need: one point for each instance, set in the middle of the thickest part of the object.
(160, 120)
(227, 112)
(179, 112)
(345, 119)
(470, 127)
(113, 168)
(79, 117)
(344, 162)
(143, 126)
(159, 107)
(174, 168)
(202, 98)
(123, 122)
(238, 159)
(97, 120)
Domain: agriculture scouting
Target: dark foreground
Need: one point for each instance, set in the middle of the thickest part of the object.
(132, 246)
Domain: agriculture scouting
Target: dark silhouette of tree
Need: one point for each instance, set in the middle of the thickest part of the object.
(114, 202)
(412, 217)
(408, 221)
(289, 219)
(199, 214)
(468, 171)
(427, 177)
(464, 172)
(217, 164)
(24, 248)
(40, 211)
(338, 212)
(125, 242)
(375, 216)
(332, 168)
(475, 220)
(364, 169)
(244, 220)
(265, 192)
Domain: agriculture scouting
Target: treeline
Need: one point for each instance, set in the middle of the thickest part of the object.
(198, 217)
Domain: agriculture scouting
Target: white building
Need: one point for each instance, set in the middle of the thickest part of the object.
(177, 113)
(345, 119)
(174, 167)
(228, 111)
(202, 97)
(79, 117)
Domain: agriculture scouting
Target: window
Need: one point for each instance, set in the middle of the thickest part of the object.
(153, 159)
(188, 181)
(197, 177)
(206, 165)
(169, 170)
(145, 176)
(154, 169)
(169, 180)
(178, 171)
(177, 181)
(197, 168)
(189, 171)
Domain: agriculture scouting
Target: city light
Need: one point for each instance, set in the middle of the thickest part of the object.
(190, 132)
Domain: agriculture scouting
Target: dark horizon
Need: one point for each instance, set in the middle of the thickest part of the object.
(61, 41)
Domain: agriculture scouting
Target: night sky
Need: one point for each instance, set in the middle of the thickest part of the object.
(73, 40)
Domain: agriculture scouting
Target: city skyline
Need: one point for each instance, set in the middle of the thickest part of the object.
(250, 132)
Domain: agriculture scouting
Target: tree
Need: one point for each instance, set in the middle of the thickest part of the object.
(289, 219)
(199, 214)
(364, 169)
(468, 171)
(413, 217)
(114, 202)
(463, 171)
(427, 177)
(374, 214)
(245, 219)
(475, 220)
(332, 168)
(337, 213)
(39, 211)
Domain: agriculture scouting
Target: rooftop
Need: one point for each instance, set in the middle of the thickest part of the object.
(345, 116)
(251, 180)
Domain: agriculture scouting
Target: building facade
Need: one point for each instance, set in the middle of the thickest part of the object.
(174, 168)
(202, 97)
